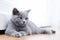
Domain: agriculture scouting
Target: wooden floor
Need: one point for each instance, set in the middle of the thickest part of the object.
(30, 37)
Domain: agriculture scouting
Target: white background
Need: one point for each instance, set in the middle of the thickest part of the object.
(38, 8)
(43, 12)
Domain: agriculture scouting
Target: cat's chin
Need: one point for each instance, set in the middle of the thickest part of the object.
(23, 25)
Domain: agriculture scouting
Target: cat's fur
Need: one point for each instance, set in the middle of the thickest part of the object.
(19, 25)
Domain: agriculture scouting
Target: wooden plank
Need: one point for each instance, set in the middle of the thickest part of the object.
(5, 37)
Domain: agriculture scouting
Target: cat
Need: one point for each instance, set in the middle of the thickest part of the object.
(20, 25)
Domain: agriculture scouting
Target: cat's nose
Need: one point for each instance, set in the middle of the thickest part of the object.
(23, 21)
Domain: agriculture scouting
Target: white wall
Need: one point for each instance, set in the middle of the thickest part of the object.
(43, 12)
(54, 12)
(38, 8)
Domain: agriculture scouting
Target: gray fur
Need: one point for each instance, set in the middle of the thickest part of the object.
(19, 25)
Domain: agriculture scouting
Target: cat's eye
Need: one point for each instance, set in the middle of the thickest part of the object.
(20, 17)
(26, 18)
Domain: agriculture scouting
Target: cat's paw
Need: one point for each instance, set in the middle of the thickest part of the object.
(15, 35)
(53, 32)
(22, 33)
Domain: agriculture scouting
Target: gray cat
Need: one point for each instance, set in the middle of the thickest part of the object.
(19, 25)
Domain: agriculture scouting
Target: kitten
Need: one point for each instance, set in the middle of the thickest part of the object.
(20, 25)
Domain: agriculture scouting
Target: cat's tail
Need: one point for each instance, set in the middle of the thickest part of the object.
(45, 26)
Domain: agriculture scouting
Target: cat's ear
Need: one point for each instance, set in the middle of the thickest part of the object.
(15, 11)
(28, 10)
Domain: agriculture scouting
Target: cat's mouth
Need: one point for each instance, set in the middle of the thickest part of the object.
(21, 24)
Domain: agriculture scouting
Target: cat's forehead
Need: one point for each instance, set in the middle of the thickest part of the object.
(23, 14)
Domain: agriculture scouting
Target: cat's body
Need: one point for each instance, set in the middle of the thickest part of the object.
(19, 25)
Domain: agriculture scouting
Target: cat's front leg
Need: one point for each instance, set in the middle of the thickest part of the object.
(12, 33)
(15, 34)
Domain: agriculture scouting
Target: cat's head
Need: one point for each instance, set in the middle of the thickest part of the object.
(20, 18)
